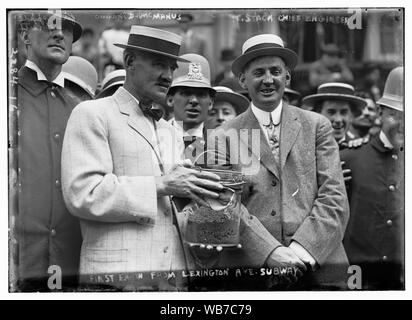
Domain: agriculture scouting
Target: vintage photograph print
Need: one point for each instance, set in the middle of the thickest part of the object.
(190, 150)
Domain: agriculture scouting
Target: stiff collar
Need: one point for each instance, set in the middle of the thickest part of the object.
(59, 80)
(197, 131)
(386, 143)
(263, 117)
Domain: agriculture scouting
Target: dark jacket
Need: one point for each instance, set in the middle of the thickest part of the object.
(46, 232)
(374, 237)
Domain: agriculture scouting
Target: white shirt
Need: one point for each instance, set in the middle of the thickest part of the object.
(263, 118)
(59, 80)
(385, 140)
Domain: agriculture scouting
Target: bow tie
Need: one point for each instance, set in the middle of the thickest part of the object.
(153, 113)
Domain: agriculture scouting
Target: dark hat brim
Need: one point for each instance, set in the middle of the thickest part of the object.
(289, 56)
(126, 46)
(239, 102)
(77, 29)
(356, 103)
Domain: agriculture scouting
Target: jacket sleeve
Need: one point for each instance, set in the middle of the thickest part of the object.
(323, 229)
(90, 188)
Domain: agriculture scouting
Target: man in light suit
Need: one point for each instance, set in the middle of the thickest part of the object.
(120, 164)
(294, 186)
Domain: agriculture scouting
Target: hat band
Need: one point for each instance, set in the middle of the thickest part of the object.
(154, 44)
(113, 80)
(264, 46)
(335, 90)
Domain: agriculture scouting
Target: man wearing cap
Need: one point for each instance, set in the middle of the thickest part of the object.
(296, 190)
(121, 163)
(48, 236)
(329, 68)
(374, 239)
(337, 102)
(191, 97)
(227, 105)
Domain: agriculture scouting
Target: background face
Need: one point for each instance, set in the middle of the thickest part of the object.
(265, 80)
(340, 115)
(221, 112)
(393, 126)
(150, 76)
(191, 105)
(49, 46)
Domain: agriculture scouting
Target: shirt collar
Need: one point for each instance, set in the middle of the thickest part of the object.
(197, 131)
(263, 116)
(59, 80)
(385, 140)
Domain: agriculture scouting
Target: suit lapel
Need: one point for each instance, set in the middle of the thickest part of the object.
(129, 106)
(265, 155)
(289, 131)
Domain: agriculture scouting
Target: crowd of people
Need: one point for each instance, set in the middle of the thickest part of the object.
(100, 164)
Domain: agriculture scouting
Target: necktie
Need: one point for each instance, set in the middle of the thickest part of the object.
(273, 137)
(153, 113)
(188, 140)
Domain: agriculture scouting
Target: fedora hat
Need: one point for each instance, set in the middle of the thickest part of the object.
(81, 72)
(52, 18)
(335, 91)
(264, 45)
(154, 40)
(113, 79)
(393, 93)
(194, 74)
(238, 101)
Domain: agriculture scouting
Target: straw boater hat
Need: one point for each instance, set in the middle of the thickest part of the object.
(263, 45)
(154, 40)
(81, 72)
(335, 91)
(238, 101)
(113, 79)
(393, 94)
(195, 74)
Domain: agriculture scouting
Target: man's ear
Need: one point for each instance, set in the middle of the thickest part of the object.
(169, 100)
(242, 81)
(128, 59)
(288, 77)
(212, 100)
(24, 36)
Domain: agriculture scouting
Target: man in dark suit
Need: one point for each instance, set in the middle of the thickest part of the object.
(294, 188)
(374, 239)
(48, 236)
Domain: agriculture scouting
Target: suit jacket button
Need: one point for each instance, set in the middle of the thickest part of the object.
(389, 223)
(384, 258)
(274, 183)
(391, 188)
(273, 213)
